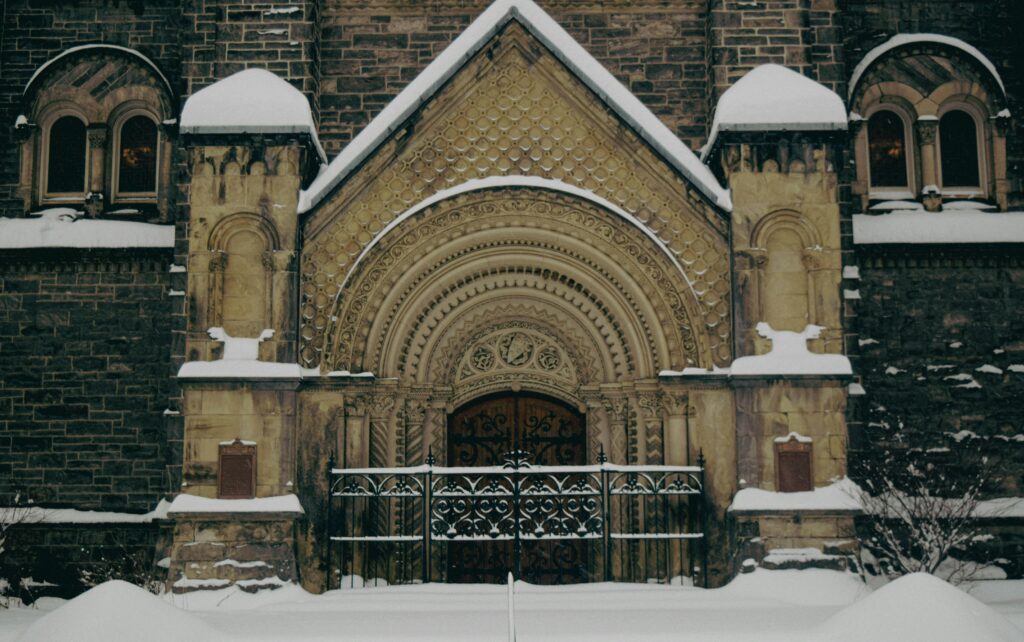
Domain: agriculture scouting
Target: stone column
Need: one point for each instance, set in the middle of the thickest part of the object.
(597, 437)
(381, 405)
(677, 444)
(653, 441)
(617, 408)
(354, 453)
(415, 421)
(927, 128)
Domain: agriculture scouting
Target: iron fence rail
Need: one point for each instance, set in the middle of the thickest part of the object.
(542, 523)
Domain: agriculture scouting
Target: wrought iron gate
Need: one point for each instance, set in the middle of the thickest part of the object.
(637, 523)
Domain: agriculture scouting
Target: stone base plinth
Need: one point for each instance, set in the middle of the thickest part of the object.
(252, 551)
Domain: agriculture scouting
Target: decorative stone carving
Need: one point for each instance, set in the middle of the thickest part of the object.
(927, 130)
(560, 135)
(359, 331)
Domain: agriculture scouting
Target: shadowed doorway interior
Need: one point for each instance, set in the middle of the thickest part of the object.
(552, 433)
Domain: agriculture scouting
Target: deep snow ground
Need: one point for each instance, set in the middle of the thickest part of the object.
(764, 606)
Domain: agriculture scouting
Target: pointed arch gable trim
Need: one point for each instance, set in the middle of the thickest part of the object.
(907, 39)
(569, 52)
(125, 51)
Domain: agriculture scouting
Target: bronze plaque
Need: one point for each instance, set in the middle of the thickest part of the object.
(793, 462)
(236, 471)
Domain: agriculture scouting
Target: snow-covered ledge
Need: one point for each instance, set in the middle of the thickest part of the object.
(947, 227)
(64, 227)
(240, 361)
(252, 101)
(842, 496)
(280, 505)
(789, 356)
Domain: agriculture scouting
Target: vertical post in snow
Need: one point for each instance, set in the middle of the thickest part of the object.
(428, 498)
(703, 519)
(606, 516)
(511, 608)
(327, 535)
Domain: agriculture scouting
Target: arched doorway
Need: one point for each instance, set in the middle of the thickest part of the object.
(481, 432)
(552, 433)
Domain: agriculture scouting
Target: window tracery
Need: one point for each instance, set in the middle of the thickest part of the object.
(953, 151)
(92, 133)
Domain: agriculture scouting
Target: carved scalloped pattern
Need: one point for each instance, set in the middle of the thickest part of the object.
(520, 113)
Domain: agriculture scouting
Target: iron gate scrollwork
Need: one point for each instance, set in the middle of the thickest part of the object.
(609, 522)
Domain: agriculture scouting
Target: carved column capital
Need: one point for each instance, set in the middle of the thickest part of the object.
(97, 136)
(926, 131)
(380, 405)
(218, 261)
(356, 406)
(649, 402)
(674, 404)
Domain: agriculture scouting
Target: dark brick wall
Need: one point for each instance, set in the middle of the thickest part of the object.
(927, 315)
(34, 31)
(59, 554)
(84, 378)
(221, 37)
(800, 34)
(993, 26)
(371, 50)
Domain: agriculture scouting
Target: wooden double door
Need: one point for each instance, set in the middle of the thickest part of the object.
(552, 433)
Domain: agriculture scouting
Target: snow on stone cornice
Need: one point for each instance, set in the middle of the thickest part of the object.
(567, 50)
(904, 39)
(842, 495)
(958, 226)
(239, 361)
(253, 101)
(62, 227)
(776, 98)
(194, 504)
(42, 515)
(789, 356)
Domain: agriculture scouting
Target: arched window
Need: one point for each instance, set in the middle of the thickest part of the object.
(887, 150)
(136, 158)
(66, 157)
(958, 145)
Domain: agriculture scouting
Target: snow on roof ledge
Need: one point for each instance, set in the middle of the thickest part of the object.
(775, 98)
(194, 504)
(958, 226)
(63, 227)
(567, 50)
(903, 39)
(252, 101)
(840, 496)
(240, 361)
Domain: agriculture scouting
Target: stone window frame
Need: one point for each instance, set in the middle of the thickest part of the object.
(48, 118)
(978, 114)
(924, 113)
(217, 244)
(907, 116)
(119, 117)
(43, 102)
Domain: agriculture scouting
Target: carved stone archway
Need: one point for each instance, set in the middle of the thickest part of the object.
(517, 288)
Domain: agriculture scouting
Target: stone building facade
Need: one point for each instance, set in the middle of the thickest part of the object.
(515, 226)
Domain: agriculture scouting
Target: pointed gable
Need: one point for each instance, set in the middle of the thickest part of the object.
(584, 66)
(512, 106)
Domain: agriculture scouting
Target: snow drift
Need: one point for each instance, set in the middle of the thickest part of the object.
(918, 607)
(117, 610)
